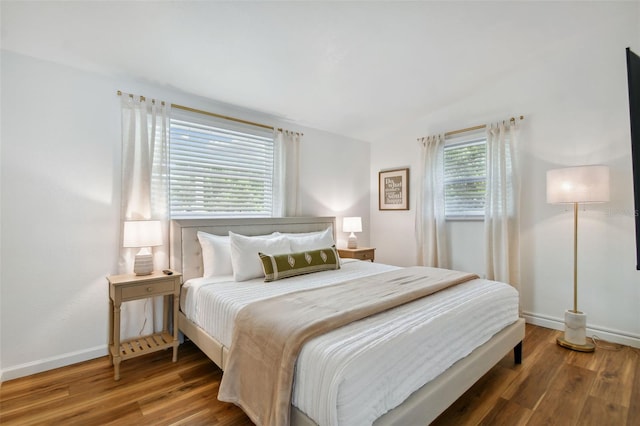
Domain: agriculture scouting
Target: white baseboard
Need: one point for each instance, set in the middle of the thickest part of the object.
(46, 364)
(603, 333)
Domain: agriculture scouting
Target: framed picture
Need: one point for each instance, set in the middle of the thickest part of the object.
(393, 189)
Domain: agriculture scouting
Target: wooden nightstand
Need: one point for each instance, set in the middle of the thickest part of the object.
(361, 253)
(123, 288)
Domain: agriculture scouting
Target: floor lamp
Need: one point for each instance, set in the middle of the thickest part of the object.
(577, 185)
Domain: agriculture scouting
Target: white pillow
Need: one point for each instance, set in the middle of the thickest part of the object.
(216, 255)
(311, 240)
(244, 253)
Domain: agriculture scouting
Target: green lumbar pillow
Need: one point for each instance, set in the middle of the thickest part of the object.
(305, 262)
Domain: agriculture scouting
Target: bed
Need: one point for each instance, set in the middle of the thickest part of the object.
(420, 405)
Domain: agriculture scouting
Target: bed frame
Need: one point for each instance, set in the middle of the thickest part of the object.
(422, 407)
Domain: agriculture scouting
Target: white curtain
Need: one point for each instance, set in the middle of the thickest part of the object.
(145, 143)
(286, 173)
(430, 219)
(502, 204)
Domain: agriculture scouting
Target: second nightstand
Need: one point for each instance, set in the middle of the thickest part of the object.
(361, 253)
(123, 288)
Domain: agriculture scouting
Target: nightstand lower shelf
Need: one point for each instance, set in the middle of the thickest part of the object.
(144, 345)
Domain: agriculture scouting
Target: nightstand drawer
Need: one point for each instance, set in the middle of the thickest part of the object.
(362, 253)
(365, 255)
(150, 289)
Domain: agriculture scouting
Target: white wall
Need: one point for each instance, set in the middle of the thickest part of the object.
(60, 195)
(574, 98)
(334, 180)
(59, 210)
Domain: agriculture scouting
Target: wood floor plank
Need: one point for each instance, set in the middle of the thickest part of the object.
(179, 395)
(80, 408)
(564, 397)
(507, 413)
(199, 418)
(633, 416)
(541, 368)
(552, 386)
(614, 381)
(479, 399)
(34, 400)
(601, 412)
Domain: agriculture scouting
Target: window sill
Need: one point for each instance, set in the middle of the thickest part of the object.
(464, 219)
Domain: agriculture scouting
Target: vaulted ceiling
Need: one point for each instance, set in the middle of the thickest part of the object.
(344, 67)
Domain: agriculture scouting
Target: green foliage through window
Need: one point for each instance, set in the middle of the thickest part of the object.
(219, 170)
(465, 179)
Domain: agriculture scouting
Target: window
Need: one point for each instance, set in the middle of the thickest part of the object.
(465, 178)
(219, 168)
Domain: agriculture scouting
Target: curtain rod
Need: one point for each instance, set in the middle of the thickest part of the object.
(142, 98)
(469, 129)
(213, 114)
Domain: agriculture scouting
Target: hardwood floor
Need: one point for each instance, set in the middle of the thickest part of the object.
(553, 386)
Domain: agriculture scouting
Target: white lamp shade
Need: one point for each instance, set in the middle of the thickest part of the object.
(142, 233)
(352, 224)
(583, 184)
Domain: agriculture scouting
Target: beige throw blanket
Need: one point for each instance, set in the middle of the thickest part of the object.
(269, 334)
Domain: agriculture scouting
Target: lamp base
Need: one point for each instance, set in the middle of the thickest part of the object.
(587, 347)
(352, 242)
(575, 332)
(143, 264)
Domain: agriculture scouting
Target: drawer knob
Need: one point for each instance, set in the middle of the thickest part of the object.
(149, 289)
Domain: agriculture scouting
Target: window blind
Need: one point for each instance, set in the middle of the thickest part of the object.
(219, 168)
(465, 178)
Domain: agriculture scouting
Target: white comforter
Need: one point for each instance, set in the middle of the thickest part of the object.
(355, 374)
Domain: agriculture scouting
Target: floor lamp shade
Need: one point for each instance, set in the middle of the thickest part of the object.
(583, 184)
(577, 185)
(142, 234)
(352, 224)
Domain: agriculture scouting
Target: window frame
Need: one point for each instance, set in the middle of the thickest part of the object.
(475, 138)
(226, 153)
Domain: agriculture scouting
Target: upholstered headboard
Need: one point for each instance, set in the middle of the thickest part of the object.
(185, 252)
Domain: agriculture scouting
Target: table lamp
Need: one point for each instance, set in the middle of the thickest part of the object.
(352, 224)
(143, 234)
(577, 185)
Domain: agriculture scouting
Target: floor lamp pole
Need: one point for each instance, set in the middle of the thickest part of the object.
(575, 322)
(575, 258)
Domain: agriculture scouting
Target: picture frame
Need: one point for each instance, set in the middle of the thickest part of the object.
(393, 189)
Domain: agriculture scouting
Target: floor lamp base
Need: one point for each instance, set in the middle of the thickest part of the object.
(575, 332)
(587, 347)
